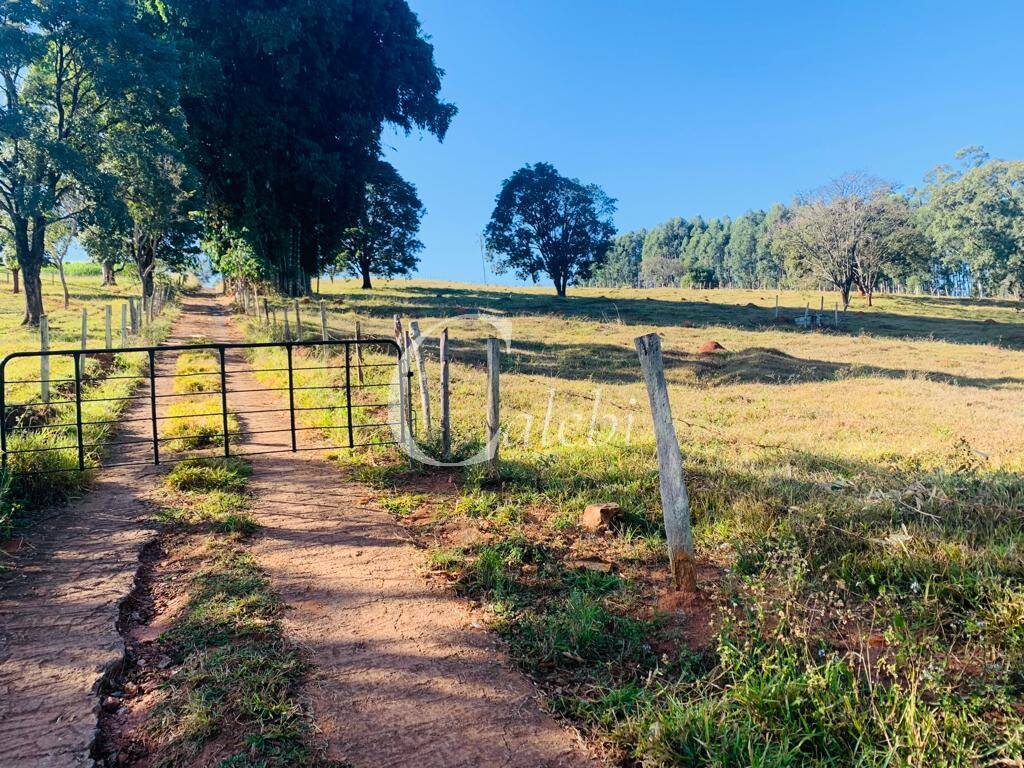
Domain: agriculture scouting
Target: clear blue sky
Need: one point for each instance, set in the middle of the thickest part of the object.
(685, 108)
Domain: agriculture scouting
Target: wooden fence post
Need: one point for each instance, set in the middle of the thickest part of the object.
(124, 325)
(273, 322)
(44, 360)
(493, 399)
(675, 502)
(421, 372)
(446, 427)
(298, 322)
(108, 336)
(323, 323)
(287, 330)
(776, 306)
(399, 337)
(266, 311)
(359, 354)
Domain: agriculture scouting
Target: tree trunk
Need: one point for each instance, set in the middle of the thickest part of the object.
(870, 295)
(33, 295)
(15, 273)
(64, 283)
(366, 279)
(109, 276)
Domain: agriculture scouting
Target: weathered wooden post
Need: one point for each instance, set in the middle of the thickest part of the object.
(323, 323)
(287, 330)
(675, 503)
(399, 336)
(44, 360)
(359, 354)
(446, 427)
(493, 399)
(822, 310)
(124, 325)
(298, 322)
(421, 372)
(266, 311)
(273, 322)
(108, 336)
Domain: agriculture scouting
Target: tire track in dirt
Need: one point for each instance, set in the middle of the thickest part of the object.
(60, 603)
(401, 677)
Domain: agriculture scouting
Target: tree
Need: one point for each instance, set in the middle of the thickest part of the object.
(975, 215)
(544, 222)
(662, 260)
(70, 70)
(893, 243)
(383, 242)
(59, 238)
(285, 102)
(825, 229)
(153, 216)
(620, 266)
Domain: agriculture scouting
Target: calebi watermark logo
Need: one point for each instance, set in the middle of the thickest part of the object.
(568, 416)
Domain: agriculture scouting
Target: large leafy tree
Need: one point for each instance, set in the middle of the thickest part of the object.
(383, 242)
(285, 101)
(71, 71)
(546, 223)
(975, 215)
(154, 217)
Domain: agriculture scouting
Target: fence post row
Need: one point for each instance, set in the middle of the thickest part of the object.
(675, 502)
(446, 436)
(493, 399)
(421, 370)
(44, 360)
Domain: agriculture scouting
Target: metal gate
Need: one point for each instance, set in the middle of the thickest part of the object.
(64, 410)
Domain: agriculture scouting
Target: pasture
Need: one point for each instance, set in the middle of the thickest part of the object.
(857, 508)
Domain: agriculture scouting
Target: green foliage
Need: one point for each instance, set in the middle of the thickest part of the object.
(285, 156)
(383, 240)
(545, 223)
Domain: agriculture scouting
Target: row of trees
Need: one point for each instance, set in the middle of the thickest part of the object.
(253, 127)
(962, 232)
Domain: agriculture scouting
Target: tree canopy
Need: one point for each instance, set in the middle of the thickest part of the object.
(546, 223)
(383, 240)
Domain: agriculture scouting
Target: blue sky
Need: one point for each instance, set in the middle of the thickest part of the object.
(683, 108)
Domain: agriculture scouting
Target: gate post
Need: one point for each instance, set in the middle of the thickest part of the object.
(291, 391)
(224, 402)
(44, 361)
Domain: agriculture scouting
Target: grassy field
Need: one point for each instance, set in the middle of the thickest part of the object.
(857, 498)
(104, 376)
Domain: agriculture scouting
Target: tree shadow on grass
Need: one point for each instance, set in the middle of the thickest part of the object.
(617, 364)
(448, 301)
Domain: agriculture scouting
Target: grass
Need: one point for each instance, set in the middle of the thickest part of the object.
(232, 679)
(40, 479)
(856, 496)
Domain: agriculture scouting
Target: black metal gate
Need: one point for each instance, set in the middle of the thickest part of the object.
(239, 399)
